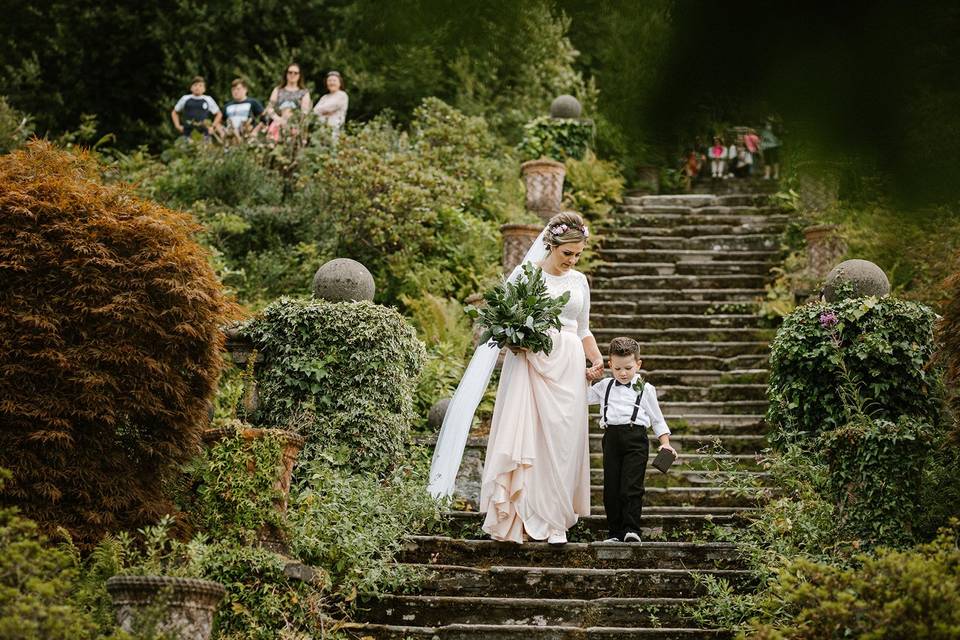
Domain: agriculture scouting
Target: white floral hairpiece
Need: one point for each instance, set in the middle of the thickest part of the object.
(560, 229)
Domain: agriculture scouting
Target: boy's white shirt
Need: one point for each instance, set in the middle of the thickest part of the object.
(622, 401)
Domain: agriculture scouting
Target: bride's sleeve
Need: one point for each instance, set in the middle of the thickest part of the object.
(583, 318)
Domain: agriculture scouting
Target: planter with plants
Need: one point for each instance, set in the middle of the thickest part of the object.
(159, 591)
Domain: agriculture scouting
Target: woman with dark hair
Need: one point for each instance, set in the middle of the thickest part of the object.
(332, 106)
(289, 96)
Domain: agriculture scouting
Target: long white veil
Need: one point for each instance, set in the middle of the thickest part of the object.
(459, 416)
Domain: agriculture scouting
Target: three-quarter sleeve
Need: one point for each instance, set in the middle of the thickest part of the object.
(583, 318)
(657, 421)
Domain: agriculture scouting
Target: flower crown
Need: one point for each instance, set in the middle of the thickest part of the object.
(560, 229)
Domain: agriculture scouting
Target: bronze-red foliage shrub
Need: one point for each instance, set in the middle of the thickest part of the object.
(110, 346)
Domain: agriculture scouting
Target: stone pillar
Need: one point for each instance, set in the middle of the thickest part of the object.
(517, 239)
(543, 179)
(825, 246)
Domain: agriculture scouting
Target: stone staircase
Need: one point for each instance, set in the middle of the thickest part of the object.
(681, 274)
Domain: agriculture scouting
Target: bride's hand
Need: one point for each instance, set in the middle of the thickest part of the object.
(595, 371)
(517, 351)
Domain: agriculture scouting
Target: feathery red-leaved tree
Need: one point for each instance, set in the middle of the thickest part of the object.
(110, 346)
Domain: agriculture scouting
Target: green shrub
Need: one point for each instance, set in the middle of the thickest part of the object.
(353, 365)
(355, 524)
(555, 138)
(392, 203)
(948, 339)
(876, 475)
(823, 354)
(36, 582)
(593, 187)
(895, 594)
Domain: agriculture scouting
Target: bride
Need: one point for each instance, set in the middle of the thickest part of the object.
(536, 476)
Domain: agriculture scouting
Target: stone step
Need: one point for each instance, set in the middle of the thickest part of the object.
(682, 256)
(748, 444)
(680, 496)
(718, 349)
(698, 200)
(431, 550)
(675, 320)
(610, 612)
(658, 363)
(752, 185)
(658, 522)
(524, 632)
(634, 306)
(705, 378)
(717, 243)
(730, 424)
(617, 267)
(711, 393)
(682, 282)
(680, 410)
(689, 334)
(669, 216)
(721, 298)
(695, 462)
(687, 478)
(567, 582)
(685, 229)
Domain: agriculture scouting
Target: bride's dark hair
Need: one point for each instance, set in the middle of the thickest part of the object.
(563, 228)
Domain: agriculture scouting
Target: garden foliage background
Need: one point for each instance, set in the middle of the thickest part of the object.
(421, 180)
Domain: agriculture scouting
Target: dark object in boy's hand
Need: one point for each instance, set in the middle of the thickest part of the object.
(663, 460)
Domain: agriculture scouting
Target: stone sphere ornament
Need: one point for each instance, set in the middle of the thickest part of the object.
(866, 278)
(343, 280)
(565, 106)
(437, 412)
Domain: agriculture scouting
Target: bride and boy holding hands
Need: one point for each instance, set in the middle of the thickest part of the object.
(536, 475)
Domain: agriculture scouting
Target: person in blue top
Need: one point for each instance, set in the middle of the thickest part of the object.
(196, 110)
(244, 114)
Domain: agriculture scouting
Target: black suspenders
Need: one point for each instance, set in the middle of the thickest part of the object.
(636, 405)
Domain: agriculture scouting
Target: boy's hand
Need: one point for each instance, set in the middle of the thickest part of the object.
(670, 449)
(595, 371)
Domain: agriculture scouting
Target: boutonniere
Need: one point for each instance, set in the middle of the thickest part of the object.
(638, 385)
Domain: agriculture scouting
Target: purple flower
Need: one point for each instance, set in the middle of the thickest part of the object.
(828, 319)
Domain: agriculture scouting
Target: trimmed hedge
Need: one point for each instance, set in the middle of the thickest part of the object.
(342, 373)
(110, 347)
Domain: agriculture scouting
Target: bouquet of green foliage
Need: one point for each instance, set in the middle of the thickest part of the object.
(519, 314)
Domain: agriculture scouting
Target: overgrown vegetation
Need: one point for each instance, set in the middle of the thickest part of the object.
(110, 333)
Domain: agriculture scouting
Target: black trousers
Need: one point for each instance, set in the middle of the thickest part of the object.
(625, 453)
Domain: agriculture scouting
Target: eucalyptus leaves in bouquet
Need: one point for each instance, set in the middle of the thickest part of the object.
(520, 314)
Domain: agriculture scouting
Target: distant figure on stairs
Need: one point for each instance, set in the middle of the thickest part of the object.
(718, 158)
(770, 145)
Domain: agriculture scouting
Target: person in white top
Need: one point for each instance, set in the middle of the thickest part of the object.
(628, 406)
(332, 106)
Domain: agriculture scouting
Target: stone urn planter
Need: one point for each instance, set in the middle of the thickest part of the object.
(825, 245)
(543, 180)
(291, 444)
(180, 607)
(517, 239)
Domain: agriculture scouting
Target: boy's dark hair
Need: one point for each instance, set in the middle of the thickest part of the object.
(197, 79)
(624, 346)
(239, 82)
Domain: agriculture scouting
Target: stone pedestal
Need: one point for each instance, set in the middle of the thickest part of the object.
(517, 239)
(543, 179)
(187, 604)
(825, 246)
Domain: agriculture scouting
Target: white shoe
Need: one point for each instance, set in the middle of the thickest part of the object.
(614, 539)
(557, 538)
(631, 537)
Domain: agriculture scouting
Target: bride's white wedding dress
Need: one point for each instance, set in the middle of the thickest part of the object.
(536, 474)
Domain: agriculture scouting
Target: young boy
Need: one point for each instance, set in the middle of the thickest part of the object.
(628, 405)
(197, 109)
